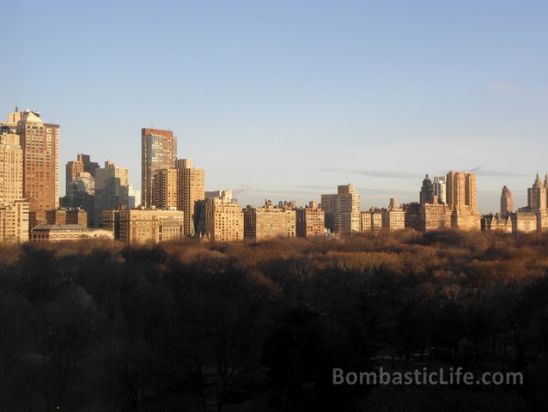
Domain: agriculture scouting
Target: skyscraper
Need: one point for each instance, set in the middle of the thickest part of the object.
(11, 167)
(536, 195)
(506, 202)
(111, 189)
(158, 151)
(440, 188)
(342, 210)
(40, 144)
(165, 188)
(462, 191)
(81, 164)
(462, 200)
(427, 191)
(191, 182)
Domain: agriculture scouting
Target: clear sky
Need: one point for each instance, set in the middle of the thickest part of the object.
(287, 99)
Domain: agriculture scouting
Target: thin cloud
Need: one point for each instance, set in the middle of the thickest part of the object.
(374, 173)
(502, 88)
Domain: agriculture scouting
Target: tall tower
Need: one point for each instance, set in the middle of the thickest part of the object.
(40, 143)
(462, 191)
(191, 182)
(111, 189)
(342, 210)
(506, 202)
(158, 151)
(440, 188)
(11, 167)
(536, 195)
(427, 191)
(165, 188)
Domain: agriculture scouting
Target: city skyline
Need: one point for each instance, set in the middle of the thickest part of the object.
(288, 101)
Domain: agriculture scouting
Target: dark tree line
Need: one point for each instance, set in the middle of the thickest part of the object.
(259, 327)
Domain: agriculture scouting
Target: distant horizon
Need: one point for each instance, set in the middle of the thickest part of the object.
(287, 100)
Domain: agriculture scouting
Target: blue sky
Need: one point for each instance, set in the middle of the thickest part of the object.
(287, 99)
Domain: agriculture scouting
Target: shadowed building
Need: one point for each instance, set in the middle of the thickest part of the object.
(506, 202)
(496, 223)
(536, 195)
(426, 194)
(524, 221)
(64, 216)
(111, 189)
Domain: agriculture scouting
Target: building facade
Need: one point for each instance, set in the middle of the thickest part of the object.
(11, 168)
(67, 232)
(191, 183)
(310, 221)
(158, 151)
(393, 218)
(220, 218)
(269, 222)
(142, 226)
(63, 216)
(111, 189)
(506, 202)
(165, 188)
(14, 222)
(40, 144)
(440, 188)
(342, 210)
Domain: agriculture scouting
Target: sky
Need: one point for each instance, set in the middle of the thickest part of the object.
(287, 99)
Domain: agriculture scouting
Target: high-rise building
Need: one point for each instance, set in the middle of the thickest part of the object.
(191, 183)
(11, 168)
(427, 191)
(537, 195)
(440, 189)
(462, 191)
(462, 200)
(310, 221)
(165, 188)
(111, 189)
(40, 144)
(269, 222)
(220, 218)
(394, 217)
(81, 194)
(158, 151)
(342, 210)
(14, 222)
(82, 164)
(506, 202)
